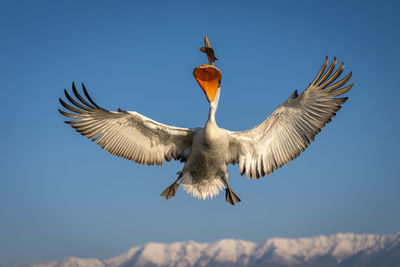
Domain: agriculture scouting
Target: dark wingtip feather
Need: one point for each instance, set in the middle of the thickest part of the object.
(69, 115)
(70, 108)
(341, 91)
(61, 112)
(333, 77)
(88, 97)
(339, 83)
(321, 71)
(80, 97)
(75, 102)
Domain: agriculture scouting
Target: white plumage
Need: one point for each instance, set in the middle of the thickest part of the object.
(207, 150)
(201, 189)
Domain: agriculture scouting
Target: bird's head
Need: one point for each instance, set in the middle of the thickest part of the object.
(209, 79)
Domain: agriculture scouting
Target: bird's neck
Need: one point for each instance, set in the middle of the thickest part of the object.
(213, 108)
(211, 123)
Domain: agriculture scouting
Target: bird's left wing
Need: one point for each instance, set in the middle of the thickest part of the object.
(127, 134)
(289, 129)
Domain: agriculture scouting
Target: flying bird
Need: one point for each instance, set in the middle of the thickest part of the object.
(207, 150)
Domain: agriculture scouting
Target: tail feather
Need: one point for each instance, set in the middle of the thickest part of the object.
(201, 189)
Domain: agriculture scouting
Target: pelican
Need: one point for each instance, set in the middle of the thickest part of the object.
(206, 151)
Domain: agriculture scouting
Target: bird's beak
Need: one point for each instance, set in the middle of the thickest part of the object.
(209, 79)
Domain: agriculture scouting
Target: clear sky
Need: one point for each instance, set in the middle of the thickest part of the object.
(61, 195)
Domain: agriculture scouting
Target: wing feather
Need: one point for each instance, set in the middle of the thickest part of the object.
(80, 97)
(290, 128)
(127, 134)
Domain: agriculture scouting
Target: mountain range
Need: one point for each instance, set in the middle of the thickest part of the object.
(338, 250)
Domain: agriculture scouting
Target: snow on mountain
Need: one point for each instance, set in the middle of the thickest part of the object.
(339, 250)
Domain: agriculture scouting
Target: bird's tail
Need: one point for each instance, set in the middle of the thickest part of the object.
(203, 188)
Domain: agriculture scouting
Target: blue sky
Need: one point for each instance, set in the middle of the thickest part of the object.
(61, 195)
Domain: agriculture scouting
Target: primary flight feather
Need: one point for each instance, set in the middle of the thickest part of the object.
(206, 151)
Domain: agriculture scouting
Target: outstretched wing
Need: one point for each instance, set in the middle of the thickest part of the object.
(127, 134)
(289, 129)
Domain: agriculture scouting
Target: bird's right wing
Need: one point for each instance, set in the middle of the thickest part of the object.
(127, 134)
(291, 127)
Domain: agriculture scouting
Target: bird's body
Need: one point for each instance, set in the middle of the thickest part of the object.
(206, 151)
(204, 172)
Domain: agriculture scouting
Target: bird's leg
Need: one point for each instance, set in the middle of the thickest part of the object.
(230, 196)
(171, 190)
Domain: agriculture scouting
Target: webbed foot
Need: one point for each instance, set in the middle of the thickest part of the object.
(231, 197)
(170, 191)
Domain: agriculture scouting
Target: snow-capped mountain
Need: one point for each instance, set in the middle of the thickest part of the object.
(342, 250)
